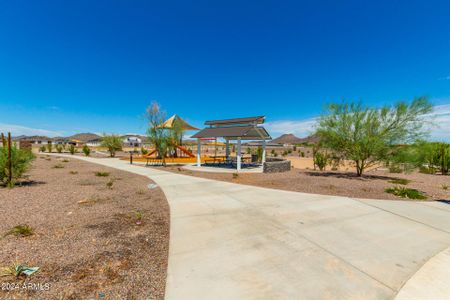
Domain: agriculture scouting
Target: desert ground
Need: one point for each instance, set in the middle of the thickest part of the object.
(91, 238)
(339, 183)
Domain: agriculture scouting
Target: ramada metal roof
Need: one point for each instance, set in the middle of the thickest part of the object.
(236, 121)
(249, 132)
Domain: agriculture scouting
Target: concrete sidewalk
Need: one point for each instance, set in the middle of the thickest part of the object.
(230, 241)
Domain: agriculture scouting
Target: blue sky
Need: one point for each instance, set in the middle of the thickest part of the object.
(77, 66)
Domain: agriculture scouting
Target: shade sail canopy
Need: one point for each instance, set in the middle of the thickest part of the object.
(233, 132)
(236, 121)
(170, 123)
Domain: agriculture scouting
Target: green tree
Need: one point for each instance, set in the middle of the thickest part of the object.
(367, 135)
(161, 138)
(113, 143)
(20, 162)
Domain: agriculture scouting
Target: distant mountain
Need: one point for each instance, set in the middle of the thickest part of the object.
(291, 139)
(287, 138)
(84, 137)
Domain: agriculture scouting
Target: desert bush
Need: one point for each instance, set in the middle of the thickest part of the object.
(59, 148)
(302, 154)
(65, 160)
(102, 174)
(73, 172)
(445, 186)
(321, 160)
(113, 143)
(235, 175)
(49, 147)
(289, 151)
(110, 183)
(72, 149)
(401, 181)
(295, 148)
(20, 162)
(42, 148)
(259, 153)
(404, 192)
(86, 150)
(58, 166)
(144, 151)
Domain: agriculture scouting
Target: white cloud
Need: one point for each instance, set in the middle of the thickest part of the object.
(17, 130)
(440, 116)
(300, 128)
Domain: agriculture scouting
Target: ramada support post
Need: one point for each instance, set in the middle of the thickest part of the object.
(199, 152)
(263, 158)
(227, 148)
(238, 154)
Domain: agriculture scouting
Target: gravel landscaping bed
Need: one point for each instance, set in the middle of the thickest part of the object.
(371, 185)
(95, 237)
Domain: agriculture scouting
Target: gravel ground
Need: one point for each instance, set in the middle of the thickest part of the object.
(371, 185)
(86, 239)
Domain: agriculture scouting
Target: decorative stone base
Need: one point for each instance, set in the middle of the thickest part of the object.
(276, 165)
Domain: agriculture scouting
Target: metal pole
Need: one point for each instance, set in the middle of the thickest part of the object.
(131, 158)
(199, 161)
(9, 159)
(238, 154)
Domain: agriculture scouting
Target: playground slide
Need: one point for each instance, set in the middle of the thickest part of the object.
(185, 151)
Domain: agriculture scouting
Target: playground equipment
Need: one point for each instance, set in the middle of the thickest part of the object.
(179, 150)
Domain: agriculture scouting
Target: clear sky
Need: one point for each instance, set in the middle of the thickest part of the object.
(77, 66)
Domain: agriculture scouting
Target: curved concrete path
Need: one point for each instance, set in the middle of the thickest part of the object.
(231, 241)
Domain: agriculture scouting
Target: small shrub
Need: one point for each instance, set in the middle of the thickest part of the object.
(139, 215)
(72, 149)
(110, 183)
(102, 174)
(86, 150)
(302, 154)
(58, 166)
(321, 160)
(49, 147)
(65, 160)
(445, 186)
(140, 192)
(20, 230)
(295, 148)
(400, 181)
(289, 151)
(404, 192)
(20, 162)
(42, 149)
(73, 172)
(144, 151)
(235, 175)
(427, 170)
(395, 169)
(59, 148)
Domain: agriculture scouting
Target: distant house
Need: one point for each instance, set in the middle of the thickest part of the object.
(132, 141)
(96, 142)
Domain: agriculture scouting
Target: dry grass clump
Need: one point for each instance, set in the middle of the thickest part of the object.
(402, 181)
(73, 172)
(20, 230)
(58, 166)
(102, 174)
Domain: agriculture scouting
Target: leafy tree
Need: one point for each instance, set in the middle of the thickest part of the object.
(163, 139)
(20, 161)
(113, 143)
(86, 150)
(367, 135)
